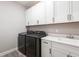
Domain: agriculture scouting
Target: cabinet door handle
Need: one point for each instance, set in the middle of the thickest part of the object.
(28, 23)
(69, 16)
(53, 19)
(50, 50)
(37, 21)
(69, 56)
(45, 42)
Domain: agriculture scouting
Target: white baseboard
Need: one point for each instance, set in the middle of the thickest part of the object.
(6, 52)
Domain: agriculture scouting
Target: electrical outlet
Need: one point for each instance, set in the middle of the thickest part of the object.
(57, 30)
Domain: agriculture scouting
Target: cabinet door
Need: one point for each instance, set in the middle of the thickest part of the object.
(74, 54)
(39, 12)
(27, 21)
(58, 52)
(75, 8)
(61, 11)
(29, 17)
(46, 48)
(49, 5)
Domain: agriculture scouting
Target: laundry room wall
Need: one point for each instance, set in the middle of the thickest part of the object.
(62, 28)
(12, 22)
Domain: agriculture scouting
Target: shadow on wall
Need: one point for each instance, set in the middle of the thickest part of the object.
(12, 21)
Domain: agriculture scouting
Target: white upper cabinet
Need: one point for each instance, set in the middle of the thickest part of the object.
(29, 17)
(36, 14)
(27, 22)
(49, 12)
(61, 11)
(49, 8)
(75, 11)
(39, 13)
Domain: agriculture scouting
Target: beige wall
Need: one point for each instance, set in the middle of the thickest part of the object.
(12, 22)
(68, 28)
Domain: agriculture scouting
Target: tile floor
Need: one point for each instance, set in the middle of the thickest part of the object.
(14, 54)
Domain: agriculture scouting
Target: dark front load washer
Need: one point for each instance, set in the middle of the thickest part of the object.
(32, 43)
(22, 42)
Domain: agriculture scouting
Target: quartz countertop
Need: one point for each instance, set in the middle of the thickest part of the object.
(73, 42)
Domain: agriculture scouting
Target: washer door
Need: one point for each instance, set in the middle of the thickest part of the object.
(30, 46)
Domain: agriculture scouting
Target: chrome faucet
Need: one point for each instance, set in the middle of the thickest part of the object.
(70, 36)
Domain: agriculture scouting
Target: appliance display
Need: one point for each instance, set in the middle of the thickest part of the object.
(32, 43)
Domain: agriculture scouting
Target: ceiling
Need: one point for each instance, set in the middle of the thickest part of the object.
(27, 4)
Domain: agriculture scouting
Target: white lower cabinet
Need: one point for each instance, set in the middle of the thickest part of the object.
(55, 49)
(46, 48)
(57, 52)
(72, 54)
